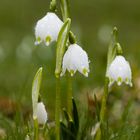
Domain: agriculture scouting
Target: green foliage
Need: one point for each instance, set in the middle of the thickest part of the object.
(69, 130)
(75, 127)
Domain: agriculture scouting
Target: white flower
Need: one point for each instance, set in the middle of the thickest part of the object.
(27, 137)
(75, 58)
(119, 71)
(41, 113)
(47, 29)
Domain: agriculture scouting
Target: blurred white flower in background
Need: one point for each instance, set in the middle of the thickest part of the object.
(104, 33)
(42, 116)
(119, 71)
(25, 49)
(47, 29)
(75, 58)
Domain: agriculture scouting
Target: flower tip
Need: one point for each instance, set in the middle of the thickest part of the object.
(71, 72)
(47, 43)
(48, 40)
(61, 74)
(128, 82)
(85, 72)
(38, 41)
(119, 81)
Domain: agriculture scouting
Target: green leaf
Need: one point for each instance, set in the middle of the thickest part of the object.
(67, 116)
(68, 132)
(97, 108)
(72, 130)
(35, 90)
(72, 38)
(61, 45)
(75, 115)
(63, 130)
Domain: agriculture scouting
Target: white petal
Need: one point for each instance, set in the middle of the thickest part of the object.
(120, 71)
(75, 59)
(41, 113)
(48, 26)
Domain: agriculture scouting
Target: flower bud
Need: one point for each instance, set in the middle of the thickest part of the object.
(41, 113)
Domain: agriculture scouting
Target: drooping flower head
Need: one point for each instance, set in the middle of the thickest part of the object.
(75, 58)
(41, 113)
(120, 71)
(47, 29)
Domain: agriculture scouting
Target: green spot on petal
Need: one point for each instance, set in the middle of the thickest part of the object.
(71, 72)
(85, 72)
(119, 81)
(48, 40)
(38, 41)
(127, 81)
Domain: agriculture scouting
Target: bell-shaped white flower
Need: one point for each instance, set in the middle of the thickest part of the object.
(42, 116)
(47, 29)
(119, 71)
(75, 58)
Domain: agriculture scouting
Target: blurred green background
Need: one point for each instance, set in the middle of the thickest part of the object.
(92, 22)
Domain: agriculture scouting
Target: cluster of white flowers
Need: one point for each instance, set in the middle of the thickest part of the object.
(75, 58)
(119, 71)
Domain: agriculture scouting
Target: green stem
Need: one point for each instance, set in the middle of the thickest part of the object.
(65, 9)
(69, 94)
(57, 109)
(36, 137)
(104, 100)
(103, 106)
(66, 14)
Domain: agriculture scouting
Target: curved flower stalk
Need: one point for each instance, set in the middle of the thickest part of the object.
(42, 116)
(35, 95)
(119, 71)
(35, 91)
(47, 29)
(61, 45)
(75, 58)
